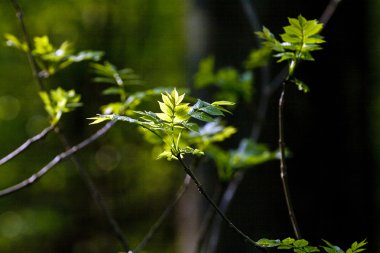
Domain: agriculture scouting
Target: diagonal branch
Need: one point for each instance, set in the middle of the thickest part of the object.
(57, 159)
(26, 144)
(32, 61)
(283, 168)
(169, 208)
(245, 237)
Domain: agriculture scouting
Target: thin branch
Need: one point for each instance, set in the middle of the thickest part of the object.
(227, 197)
(26, 144)
(169, 208)
(96, 196)
(245, 237)
(283, 169)
(264, 101)
(57, 159)
(207, 224)
(32, 61)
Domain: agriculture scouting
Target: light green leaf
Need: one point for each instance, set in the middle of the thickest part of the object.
(166, 154)
(165, 109)
(164, 117)
(97, 120)
(301, 85)
(300, 243)
(269, 243)
(222, 103)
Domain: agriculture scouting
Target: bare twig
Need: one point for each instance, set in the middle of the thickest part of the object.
(69, 150)
(26, 144)
(32, 61)
(223, 205)
(57, 159)
(208, 224)
(283, 169)
(245, 237)
(169, 208)
(95, 194)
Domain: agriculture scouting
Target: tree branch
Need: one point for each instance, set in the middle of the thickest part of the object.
(26, 144)
(283, 169)
(245, 237)
(169, 208)
(32, 61)
(267, 91)
(57, 159)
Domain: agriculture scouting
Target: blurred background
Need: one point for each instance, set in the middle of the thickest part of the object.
(332, 132)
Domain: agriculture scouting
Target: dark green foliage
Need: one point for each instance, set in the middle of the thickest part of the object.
(231, 84)
(355, 247)
(248, 154)
(302, 246)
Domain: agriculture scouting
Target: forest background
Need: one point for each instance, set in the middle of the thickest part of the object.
(332, 132)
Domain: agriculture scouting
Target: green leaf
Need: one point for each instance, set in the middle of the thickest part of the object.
(222, 103)
(288, 241)
(86, 56)
(205, 75)
(311, 249)
(97, 120)
(13, 41)
(164, 117)
(192, 127)
(166, 154)
(301, 85)
(258, 58)
(166, 109)
(59, 101)
(211, 110)
(299, 39)
(331, 248)
(357, 247)
(201, 116)
(300, 243)
(269, 243)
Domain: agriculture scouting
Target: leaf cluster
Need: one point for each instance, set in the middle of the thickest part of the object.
(174, 120)
(50, 58)
(356, 247)
(302, 246)
(121, 81)
(59, 101)
(300, 38)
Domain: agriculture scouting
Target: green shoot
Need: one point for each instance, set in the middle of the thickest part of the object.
(300, 39)
(59, 101)
(175, 120)
(51, 59)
